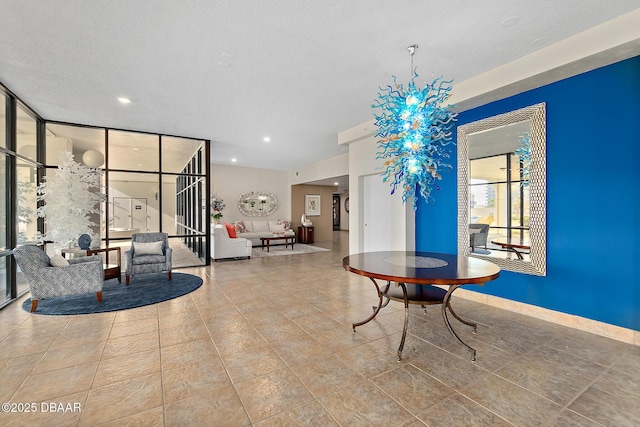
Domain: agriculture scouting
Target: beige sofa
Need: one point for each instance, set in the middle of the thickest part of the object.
(222, 246)
(253, 230)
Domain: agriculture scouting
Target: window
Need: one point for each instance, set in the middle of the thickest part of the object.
(498, 197)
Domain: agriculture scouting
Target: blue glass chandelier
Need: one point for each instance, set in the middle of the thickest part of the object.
(415, 130)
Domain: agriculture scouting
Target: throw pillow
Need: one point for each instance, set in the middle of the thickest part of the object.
(278, 228)
(240, 227)
(287, 224)
(58, 261)
(151, 248)
(231, 230)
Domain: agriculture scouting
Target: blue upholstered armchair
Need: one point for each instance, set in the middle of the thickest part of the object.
(478, 234)
(149, 253)
(81, 276)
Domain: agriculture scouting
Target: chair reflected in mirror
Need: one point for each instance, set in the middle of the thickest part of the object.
(478, 234)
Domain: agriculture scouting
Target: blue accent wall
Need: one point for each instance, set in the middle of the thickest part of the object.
(593, 198)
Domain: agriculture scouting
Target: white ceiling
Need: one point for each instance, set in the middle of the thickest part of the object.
(234, 72)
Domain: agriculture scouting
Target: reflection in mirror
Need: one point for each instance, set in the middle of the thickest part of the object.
(502, 190)
(256, 203)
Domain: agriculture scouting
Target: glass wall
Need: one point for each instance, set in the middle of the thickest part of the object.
(133, 204)
(26, 134)
(134, 151)
(86, 144)
(18, 181)
(141, 172)
(26, 183)
(191, 202)
(5, 218)
(3, 120)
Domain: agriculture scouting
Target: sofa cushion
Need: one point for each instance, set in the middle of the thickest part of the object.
(149, 259)
(231, 230)
(150, 248)
(279, 228)
(259, 226)
(273, 224)
(58, 261)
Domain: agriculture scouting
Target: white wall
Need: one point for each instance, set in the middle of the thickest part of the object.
(229, 182)
(323, 169)
(362, 162)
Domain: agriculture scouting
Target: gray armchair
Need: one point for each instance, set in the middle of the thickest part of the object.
(478, 234)
(153, 256)
(83, 275)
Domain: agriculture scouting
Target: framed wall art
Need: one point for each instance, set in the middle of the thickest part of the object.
(312, 204)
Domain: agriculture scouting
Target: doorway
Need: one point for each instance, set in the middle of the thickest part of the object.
(336, 212)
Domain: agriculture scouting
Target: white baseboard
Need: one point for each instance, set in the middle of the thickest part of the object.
(618, 333)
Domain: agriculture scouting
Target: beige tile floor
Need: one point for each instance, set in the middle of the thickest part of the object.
(268, 342)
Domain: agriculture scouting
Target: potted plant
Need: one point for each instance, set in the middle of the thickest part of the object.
(71, 195)
(217, 205)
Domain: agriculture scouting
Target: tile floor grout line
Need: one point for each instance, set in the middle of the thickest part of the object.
(39, 360)
(224, 366)
(584, 390)
(162, 394)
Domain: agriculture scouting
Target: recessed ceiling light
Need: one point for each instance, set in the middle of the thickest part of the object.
(266, 139)
(335, 183)
(234, 160)
(124, 100)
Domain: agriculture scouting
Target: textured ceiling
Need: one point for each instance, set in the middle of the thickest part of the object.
(233, 72)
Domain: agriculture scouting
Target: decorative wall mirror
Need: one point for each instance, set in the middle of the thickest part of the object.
(502, 190)
(256, 203)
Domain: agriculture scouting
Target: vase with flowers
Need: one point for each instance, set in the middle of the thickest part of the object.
(217, 205)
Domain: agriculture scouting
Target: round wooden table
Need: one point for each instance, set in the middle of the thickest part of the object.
(415, 273)
(513, 245)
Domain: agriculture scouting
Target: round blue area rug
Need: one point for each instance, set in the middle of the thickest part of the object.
(144, 289)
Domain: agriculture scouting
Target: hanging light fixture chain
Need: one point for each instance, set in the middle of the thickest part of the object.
(412, 50)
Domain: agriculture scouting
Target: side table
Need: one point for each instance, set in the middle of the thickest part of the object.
(74, 252)
(111, 270)
(305, 234)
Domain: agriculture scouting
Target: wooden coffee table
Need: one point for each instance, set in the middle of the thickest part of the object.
(286, 239)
